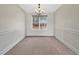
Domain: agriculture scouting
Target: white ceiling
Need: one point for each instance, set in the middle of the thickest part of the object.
(49, 8)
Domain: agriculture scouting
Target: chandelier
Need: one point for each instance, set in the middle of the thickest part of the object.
(39, 11)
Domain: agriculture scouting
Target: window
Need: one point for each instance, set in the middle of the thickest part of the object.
(39, 22)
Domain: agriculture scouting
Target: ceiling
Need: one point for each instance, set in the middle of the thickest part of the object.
(49, 8)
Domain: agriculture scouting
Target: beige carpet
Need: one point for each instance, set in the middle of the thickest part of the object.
(40, 46)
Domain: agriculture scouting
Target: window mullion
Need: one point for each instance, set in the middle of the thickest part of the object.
(39, 22)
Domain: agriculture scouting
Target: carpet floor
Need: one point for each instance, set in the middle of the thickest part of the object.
(40, 46)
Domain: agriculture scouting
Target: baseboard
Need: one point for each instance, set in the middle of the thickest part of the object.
(40, 35)
(10, 46)
(76, 51)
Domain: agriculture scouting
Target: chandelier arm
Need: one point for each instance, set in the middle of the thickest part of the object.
(39, 11)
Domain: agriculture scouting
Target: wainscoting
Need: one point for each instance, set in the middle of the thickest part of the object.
(9, 39)
(69, 37)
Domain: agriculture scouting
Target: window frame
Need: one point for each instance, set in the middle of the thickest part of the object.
(39, 16)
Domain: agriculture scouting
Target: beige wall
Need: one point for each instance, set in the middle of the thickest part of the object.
(31, 32)
(12, 26)
(67, 26)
